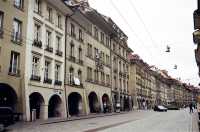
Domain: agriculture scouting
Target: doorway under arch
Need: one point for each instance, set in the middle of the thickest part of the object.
(55, 106)
(36, 102)
(75, 104)
(93, 103)
(8, 96)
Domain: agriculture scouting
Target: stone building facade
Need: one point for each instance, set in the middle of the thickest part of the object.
(66, 59)
(45, 59)
(13, 29)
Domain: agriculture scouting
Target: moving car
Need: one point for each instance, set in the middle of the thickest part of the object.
(160, 108)
(6, 116)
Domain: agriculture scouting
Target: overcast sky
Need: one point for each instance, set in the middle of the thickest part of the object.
(151, 25)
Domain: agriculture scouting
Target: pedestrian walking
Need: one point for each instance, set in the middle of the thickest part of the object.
(191, 108)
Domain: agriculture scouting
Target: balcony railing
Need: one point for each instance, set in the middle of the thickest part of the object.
(35, 78)
(48, 80)
(37, 43)
(57, 82)
(49, 48)
(59, 53)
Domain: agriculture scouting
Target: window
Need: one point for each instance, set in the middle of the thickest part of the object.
(48, 38)
(102, 37)
(123, 53)
(80, 75)
(107, 41)
(96, 35)
(108, 60)
(18, 4)
(79, 53)
(127, 68)
(103, 57)
(115, 82)
(114, 47)
(35, 66)
(14, 63)
(49, 14)
(1, 20)
(124, 84)
(102, 78)
(96, 53)
(108, 79)
(71, 75)
(73, 30)
(17, 31)
(124, 68)
(89, 50)
(71, 49)
(89, 74)
(37, 7)
(58, 42)
(59, 18)
(80, 35)
(120, 83)
(37, 32)
(96, 76)
(115, 62)
(1, 23)
(119, 51)
(57, 72)
(47, 70)
(120, 65)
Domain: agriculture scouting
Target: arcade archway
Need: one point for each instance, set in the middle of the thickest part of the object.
(8, 96)
(55, 106)
(93, 103)
(75, 103)
(36, 102)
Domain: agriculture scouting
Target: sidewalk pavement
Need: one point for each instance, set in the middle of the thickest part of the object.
(195, 122)
(58, 120)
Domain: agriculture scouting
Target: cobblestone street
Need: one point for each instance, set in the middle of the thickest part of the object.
(137, 121)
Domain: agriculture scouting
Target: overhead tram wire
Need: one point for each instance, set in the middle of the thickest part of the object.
(121, 15)
(145, 27)
(130, 27)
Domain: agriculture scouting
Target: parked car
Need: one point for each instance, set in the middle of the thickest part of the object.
(160, 108)
(6, 116)
(172, 107)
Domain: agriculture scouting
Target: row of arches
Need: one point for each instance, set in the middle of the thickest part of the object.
(75, 104)
(8, 98)
(37, 104)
